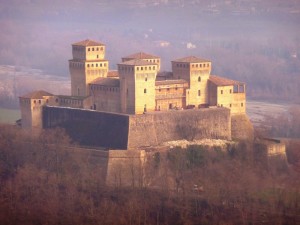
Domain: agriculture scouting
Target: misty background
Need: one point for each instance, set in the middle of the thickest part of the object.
(255, 41)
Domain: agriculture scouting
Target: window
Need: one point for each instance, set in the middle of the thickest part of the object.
(97, 49)
(199, 93)
(230, 91)
(153, 67)
(168, 89)
(199, 79)
(230, 105)
(242, 104)
(145, 90)
(221, 92)
(40, 101)
(137, 68)
(89, 49)
(92, 49)
(142, 68)
(146, 78)
(159, 89)
(88, 65)
(200, 65)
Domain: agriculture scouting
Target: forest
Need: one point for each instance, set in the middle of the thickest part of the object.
(42, 181)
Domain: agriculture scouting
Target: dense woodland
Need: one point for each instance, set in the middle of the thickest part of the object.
(43, 182)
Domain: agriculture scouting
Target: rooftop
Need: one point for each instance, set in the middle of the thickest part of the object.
(221, 81)
(110, 82)
(37, 94)
(88, 42)
(191, 59)
(141, 55)
(137, 62)
(113, 73)
(168, 82)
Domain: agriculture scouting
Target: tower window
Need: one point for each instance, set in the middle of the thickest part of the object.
(89, 49)
(199, 93)
(92, 49)
(146, 78)
(145, 90)
(230, 91)
(153, 67)
(242, 104)
(221, 92)
(199, 79)
(142, 68)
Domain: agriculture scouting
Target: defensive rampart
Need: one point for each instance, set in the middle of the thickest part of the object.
(94, 128)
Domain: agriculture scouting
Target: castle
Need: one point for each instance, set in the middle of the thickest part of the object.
(138, 87)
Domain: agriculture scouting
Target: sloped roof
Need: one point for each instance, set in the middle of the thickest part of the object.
(88, 42)
(221, 81)
(113, 73)
(103, 81)
(137, 62)
(191, 59)
(168, 82)
(141, 55)
(37, 94)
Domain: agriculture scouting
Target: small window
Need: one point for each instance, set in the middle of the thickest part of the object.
(97, 49)
(92, 49)
(40, 101)
(142, 68)
(89, 49)
(159, 89)
(199, 79)
(168, 89)
(88, 65)
(137, 68)
(221, 92)
(145, 90)
(146, 78)
(199, 93)
(242, 104)
(230, 105)
(230, 91)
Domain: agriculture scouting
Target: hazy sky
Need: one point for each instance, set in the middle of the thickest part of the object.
(39, 33)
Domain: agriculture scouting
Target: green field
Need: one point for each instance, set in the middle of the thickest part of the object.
(9, 116)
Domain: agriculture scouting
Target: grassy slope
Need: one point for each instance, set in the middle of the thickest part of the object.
(9, 115)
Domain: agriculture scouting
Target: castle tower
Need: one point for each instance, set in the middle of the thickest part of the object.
(137, 86)
(196, 71)
(88, 63)
(144, 56)
(31, 106)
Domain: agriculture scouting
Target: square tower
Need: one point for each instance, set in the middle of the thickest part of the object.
(88, 63)
(137, 86)
(196, 71)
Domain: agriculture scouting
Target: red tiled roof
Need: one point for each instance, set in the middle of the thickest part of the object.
(37, 94)
(88, 42)
(103, 81)
(191, 59)
(168, 82)
(221, 81)
(141, 55)
(137, 62)
(113, 73)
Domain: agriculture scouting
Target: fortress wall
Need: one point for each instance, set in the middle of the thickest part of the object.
(125, 168)
(241, 127)
(120, 131)
(155, 128)
(88, 127)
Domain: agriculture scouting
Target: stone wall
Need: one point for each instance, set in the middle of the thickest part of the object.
(155, 128)
(241, 128)
(89, 127)
(120, 131)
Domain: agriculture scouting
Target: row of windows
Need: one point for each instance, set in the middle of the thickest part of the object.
(153, 60)
(198, 65)
(97, 87)
(96, 64)
(127, 68)
(69, 101)
(95, 49)
(230, 91)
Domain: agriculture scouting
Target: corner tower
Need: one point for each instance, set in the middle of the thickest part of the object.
(196, 71)
(88, 63)
(137, 86)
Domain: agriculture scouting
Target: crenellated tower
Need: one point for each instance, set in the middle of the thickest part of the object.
(196, 71)
(137, 86)
(88, 63)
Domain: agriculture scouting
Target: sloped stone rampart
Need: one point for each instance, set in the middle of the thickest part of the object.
(121, 131)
